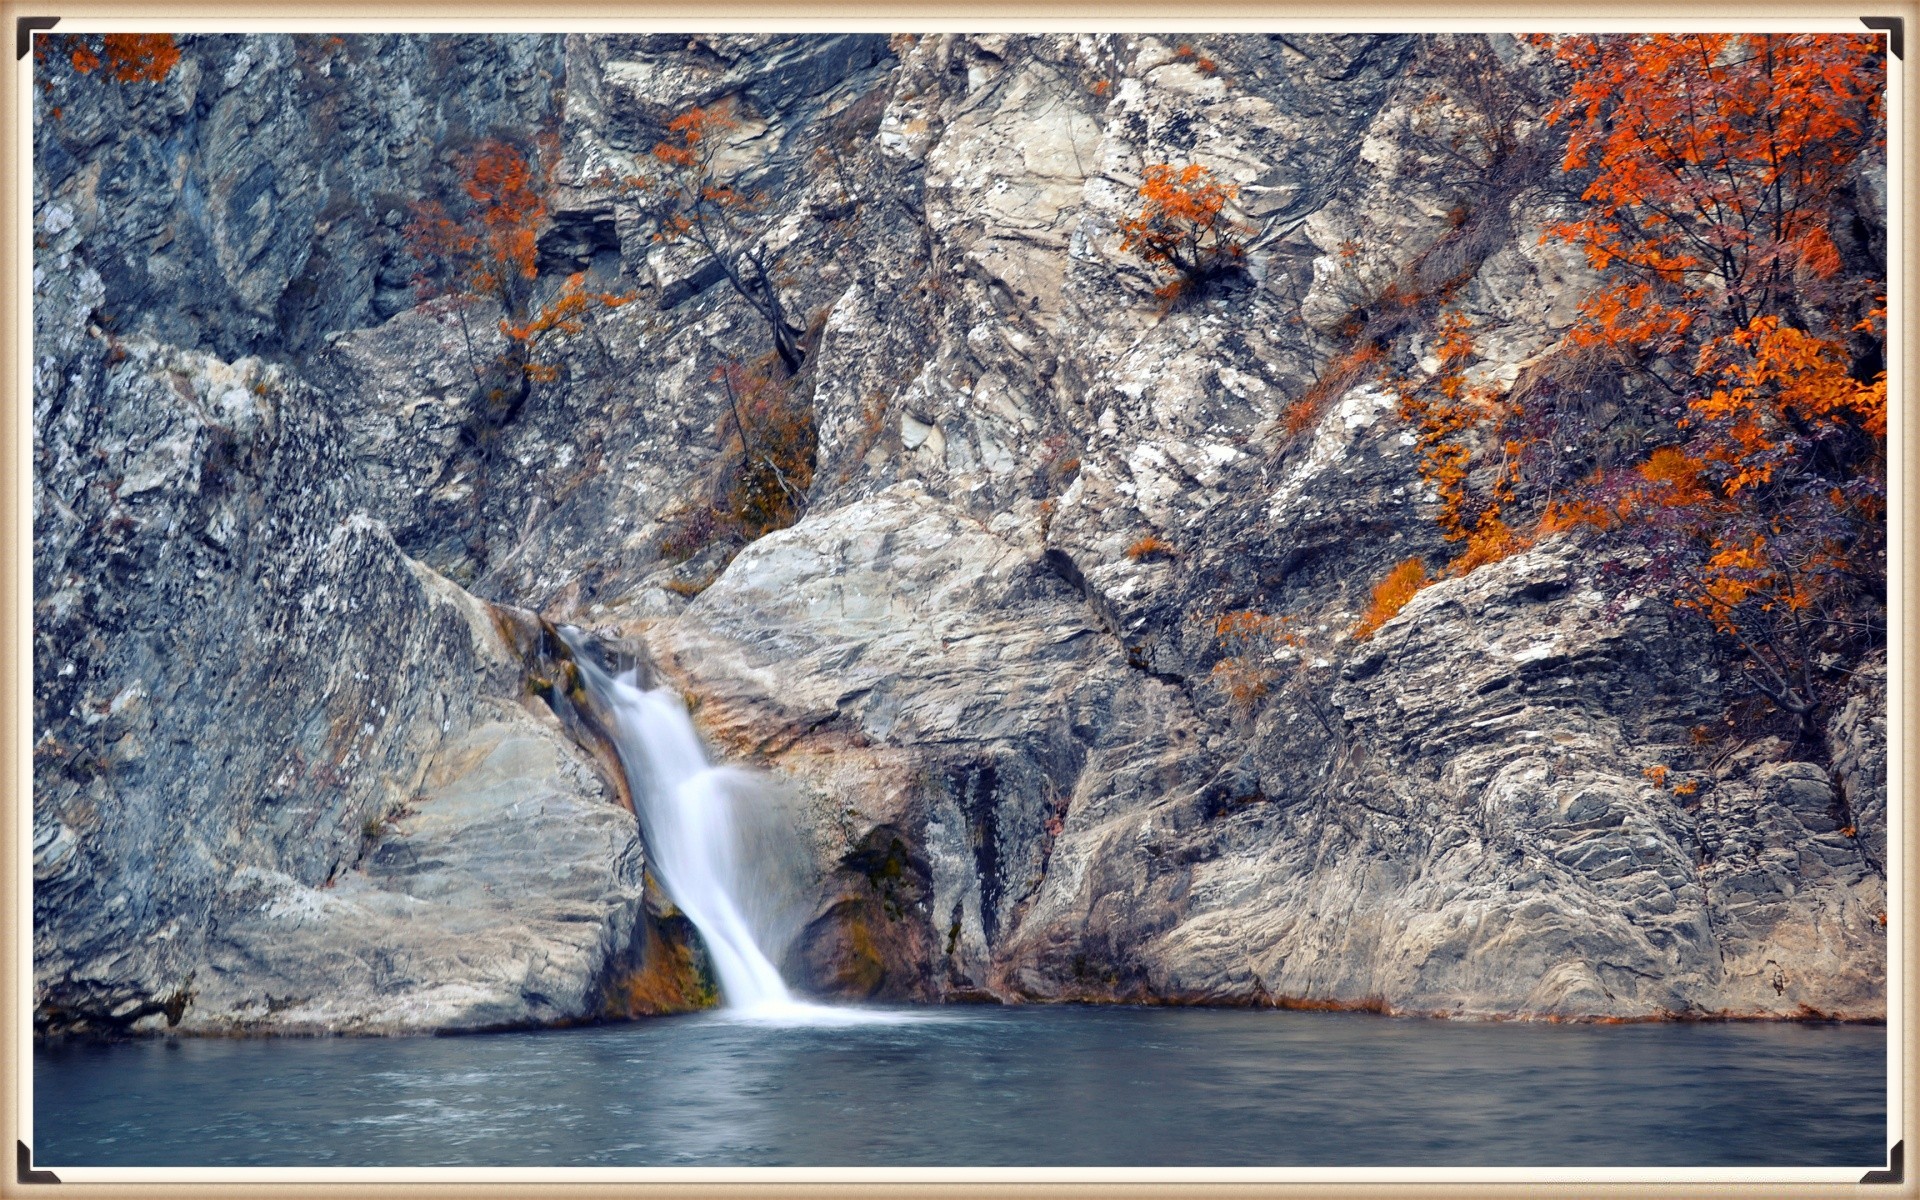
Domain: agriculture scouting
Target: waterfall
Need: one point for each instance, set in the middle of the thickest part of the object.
(713, 841)
(693, 837)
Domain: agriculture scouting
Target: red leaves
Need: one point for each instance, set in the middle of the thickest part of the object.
(500, 182)
(1741, 305)
(697, 123)
(1252, 641)
(692, 202)
(1343, 373)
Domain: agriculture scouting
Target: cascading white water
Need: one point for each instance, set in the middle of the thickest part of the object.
(698, 820)
(692, 837)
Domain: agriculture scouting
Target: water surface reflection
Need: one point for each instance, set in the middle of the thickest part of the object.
(1029, 1086)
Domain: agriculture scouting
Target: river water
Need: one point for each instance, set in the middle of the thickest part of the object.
(1066, 1086)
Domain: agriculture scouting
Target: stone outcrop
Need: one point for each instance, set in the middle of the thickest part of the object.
(292, 789)
(291, 773)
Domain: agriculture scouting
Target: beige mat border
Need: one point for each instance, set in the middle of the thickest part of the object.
(1143, 15)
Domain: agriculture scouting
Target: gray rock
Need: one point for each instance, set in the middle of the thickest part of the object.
(498, 897)
(287, 549)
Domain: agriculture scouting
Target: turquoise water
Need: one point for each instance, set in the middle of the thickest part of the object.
(981, 1087)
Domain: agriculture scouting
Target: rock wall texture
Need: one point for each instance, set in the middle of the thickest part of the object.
(291, 769)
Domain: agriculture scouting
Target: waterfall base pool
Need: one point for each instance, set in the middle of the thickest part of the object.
(984, 1087)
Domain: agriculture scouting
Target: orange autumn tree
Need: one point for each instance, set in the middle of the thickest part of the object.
(488, 248)
(1718, 163)
(1744, 286)
(1183, 227)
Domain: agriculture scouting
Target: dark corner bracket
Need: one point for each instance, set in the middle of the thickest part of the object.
(1896, 30)
(1896, 1171)
(23, 30)
(28, 1175)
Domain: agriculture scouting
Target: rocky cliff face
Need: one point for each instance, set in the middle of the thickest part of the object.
(291, 770)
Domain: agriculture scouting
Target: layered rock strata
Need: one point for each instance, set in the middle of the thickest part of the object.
(295, 769)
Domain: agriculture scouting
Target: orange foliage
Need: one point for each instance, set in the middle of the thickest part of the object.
(491, 250)
(1147, 547)
(1777, 392)
(1716, 160)
(140, 57)
(1770, 373)
(691, 202)
(1445, 413)
(1252, 641)
(1390, 595)
(687, 132)
(1343, 373)
(128, 57)
(1183, 226)
(565, 315)
(1243, 680)
(1673, 479)
(1720, 167)
(1490, 542)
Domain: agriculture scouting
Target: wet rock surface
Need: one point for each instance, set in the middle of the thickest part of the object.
(288, 770)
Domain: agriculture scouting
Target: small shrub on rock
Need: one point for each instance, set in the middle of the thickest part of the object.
(1390, 595)
(1183, 227)
(1149, 547)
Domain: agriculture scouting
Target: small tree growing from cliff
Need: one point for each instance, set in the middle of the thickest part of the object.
(775, 432)
(1183, 227)
(489, 249)
(1744, 283)
(692, 202)
(759, 481)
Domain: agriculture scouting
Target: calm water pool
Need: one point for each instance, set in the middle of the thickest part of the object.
(1018, 1087)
